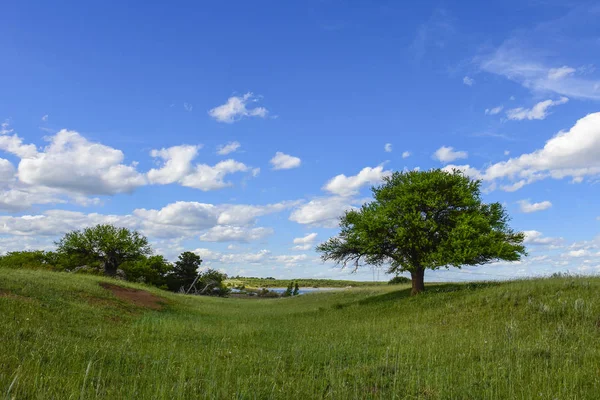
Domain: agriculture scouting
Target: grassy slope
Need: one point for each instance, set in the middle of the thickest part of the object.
(63, 336)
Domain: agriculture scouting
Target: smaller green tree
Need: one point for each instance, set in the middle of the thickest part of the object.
(210, 282)
(296, 289)
(152, 270)
(105, 244)
(184, 272)
(289, 291)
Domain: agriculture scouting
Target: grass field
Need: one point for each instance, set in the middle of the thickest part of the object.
(63, 336)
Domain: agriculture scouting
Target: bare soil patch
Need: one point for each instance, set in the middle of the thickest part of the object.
(8, 294)
(137, 297)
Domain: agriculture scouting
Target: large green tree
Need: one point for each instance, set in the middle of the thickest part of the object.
(107, 245)
(422, 220)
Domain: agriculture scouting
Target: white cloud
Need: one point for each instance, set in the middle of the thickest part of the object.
(242, 214)
(177, 163)
(227, 233)
(388, 147)
(506, 152)
(305, 243)
(14, 144)
(324, 211)
(343, 185)
(560, 73)
(284, 161)
(469, 171)
(577, 253)
(537, 238)
(302, 247)
(7, 171)
(290, 261)
(468, 81)
(448, 154)
(190, 218)
(177, 167)
(206, 177)
(406, 154)
(230, 147)
(494, 111)
(572, 153)
(45, 118)
(243, 258)
(538, 111)
(528, 207)
(188, 107)
(236, 108)
(93, 167)
(310, 238)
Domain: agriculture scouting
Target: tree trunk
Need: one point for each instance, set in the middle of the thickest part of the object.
(110, 268)
(418, 284)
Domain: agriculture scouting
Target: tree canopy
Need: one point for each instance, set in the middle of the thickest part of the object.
(422, 220)
(105, 244)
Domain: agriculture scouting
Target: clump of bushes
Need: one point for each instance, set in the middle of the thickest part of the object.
(264, 292)
(398, 280)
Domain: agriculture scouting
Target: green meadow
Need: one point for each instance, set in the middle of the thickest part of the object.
(64, 336)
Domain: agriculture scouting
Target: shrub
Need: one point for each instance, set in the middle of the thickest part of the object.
(398, 280)
(32, 259)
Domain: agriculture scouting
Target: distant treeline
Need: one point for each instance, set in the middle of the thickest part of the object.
(311, 283)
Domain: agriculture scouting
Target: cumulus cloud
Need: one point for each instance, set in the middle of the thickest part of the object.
(177, 167)
(176, 163)
(406, 154)
(533, 237)
(14, 144)
(206, 177)
(284, 161)
(290, 261)
(528, 207)
(448, 154)
(324, 212)
(230, 147)
(343, 185)
(227, 233)
(494, 111)
(388, 147)
(538, 111)
(468, 81)
(237, 108)
(305, 243)
(569, 154)
(93, 167)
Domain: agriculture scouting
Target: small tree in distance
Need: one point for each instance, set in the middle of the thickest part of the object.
(422, 220)
(185, 271)
(107, 245)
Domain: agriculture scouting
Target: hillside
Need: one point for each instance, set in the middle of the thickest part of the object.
(68, 336)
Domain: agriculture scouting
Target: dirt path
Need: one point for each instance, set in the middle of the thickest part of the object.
(140, 298)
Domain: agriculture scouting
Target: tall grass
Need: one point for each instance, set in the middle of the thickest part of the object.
(63, 336)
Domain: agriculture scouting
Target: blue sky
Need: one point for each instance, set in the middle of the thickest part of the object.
(242, 130)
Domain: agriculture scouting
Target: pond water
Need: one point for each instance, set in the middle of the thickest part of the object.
(302, 290)
(305, 290)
